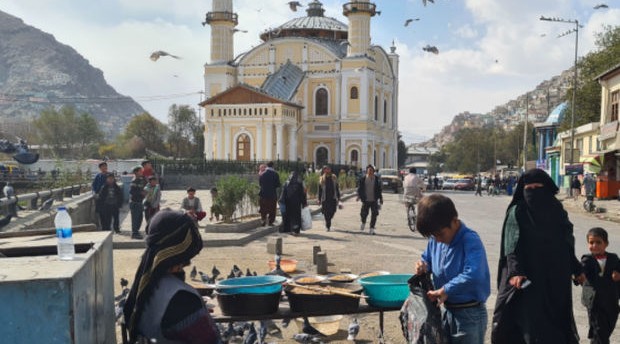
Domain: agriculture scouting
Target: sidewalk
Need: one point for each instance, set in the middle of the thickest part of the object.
(611, 207)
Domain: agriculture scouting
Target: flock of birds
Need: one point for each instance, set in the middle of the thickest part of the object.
(246, 332)
(293, 5)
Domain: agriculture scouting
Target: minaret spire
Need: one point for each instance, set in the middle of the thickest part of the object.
(222, 20)
(359, 13)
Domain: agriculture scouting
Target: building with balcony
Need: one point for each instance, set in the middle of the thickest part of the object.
(315, 90)
(608, 156)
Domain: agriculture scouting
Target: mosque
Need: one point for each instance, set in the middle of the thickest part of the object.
(314, 90)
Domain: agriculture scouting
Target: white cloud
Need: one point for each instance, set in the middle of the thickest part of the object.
(466, 31)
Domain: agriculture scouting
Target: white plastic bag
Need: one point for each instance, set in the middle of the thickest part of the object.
(306, 219)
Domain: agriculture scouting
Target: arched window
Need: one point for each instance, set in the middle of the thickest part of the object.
(384, 111)
(320, 102)
(243, 147)
(354, 157)
(376, 108)
(322, 156)
(354, 92)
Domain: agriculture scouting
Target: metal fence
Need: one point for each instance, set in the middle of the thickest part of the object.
(222, 167)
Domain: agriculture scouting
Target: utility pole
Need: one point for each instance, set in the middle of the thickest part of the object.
(572, 117)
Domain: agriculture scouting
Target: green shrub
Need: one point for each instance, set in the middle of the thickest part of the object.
(312, 184)
(231, 192)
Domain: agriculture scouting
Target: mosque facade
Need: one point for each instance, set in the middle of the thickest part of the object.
(314, 90)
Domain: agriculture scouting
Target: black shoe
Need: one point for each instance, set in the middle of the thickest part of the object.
(272, 224)
(262, 224)
(137, 236)
(117, 231)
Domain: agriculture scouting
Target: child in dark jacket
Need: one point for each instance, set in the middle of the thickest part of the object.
(600, 291)
(109, 201)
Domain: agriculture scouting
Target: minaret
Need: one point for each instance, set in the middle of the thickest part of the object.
(222, 21)
(359, 13)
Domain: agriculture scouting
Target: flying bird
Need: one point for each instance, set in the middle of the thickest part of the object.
(410, 20)
(8, 190)
(431, 49)
(354, 329)
(294, 4)
(543, 35)
(239, 30)
(159, 53)
(426, 1)
(600, 6)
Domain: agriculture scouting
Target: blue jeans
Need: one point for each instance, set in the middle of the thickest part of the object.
(136, 209)
(466, 325)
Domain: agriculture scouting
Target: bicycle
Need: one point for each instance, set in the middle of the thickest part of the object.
(588, 204)
(412, 216)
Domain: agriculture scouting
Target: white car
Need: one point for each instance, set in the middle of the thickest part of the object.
(449, 184)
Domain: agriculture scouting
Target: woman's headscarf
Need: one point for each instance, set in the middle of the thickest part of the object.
(540, 200)
(173, 239)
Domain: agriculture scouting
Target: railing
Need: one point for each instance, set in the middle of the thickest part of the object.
(35, 200)
(222, 16)
(220, 167)
(357, 7)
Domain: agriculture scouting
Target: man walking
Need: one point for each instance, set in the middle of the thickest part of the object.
(369, 192)
(98, 183)
(136, 196)
(269, 182)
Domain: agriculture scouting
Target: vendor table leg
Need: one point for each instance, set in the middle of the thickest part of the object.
(381, 321)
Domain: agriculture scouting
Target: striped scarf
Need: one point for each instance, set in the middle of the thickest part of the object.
(173, 239)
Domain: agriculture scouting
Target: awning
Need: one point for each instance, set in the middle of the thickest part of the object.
(592, 164)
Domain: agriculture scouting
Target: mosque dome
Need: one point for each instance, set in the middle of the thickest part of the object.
(315, 24)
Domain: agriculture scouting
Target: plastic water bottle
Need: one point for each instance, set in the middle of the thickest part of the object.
(66, 249)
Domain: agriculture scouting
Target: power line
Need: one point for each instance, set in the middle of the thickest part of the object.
(35, 99)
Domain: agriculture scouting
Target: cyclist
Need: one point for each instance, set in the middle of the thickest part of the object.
(412, 191)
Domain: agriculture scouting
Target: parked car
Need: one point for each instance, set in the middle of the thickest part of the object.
(448, 184)
(390, 179)
(465, 185)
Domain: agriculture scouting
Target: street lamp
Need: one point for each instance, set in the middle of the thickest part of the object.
(572, 115)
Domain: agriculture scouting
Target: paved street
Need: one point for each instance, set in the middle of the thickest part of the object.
(394, 248)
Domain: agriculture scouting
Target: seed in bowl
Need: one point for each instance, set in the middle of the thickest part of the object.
(340, 278)
(307, 280)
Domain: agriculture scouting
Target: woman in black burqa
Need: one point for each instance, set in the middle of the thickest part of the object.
(538, 246)
(294, 199)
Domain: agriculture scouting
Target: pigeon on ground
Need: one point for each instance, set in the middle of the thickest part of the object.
(230, 331)
(47, 205)
(124, 282)
(270, 327)
(193, 274)
(294, 4)
(410, 20)
(6, 220)
(239, 329)
(254, 273)
(204, 277)
(306, 338)
(252, 335)
(285, 322)
(238, 272)
(122, 295)
(248, 272)
(431, 49)
(354, 329)
(278, 270)
(231, 275)
(215, 272)
(309, 329)
(600, 6)
(159, 53)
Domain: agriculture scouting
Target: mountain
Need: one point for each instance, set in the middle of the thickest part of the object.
(36, 72)
(540, 101)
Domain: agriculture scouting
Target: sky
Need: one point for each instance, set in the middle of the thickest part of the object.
(490, 51)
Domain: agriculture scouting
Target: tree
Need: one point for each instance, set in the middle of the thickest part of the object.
(185, 131)
(588, 95)
(68, 133)
(144, 131)
(402, 151)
